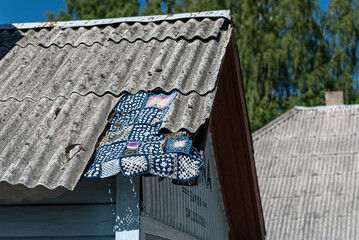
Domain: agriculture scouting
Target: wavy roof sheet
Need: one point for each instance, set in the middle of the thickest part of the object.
(190, 29)
(307, 166)
(35, 72)
(35, 136)
(58, 85)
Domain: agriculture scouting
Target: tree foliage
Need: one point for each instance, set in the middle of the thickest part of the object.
(342, 30)
(291, 52)
(95, 9)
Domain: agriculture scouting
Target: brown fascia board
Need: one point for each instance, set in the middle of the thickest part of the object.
(233, 150)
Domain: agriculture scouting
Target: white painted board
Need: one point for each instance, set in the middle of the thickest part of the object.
(195, 210)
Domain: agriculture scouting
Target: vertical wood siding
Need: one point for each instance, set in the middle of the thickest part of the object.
(196, 210)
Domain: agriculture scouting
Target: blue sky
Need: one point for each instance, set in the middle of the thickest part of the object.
(21, 11)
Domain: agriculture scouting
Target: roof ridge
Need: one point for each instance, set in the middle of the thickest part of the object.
(274, 123)
(284, 117)
(326, 107)
(96, 22)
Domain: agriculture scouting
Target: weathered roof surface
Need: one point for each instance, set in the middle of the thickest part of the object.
(83, 71)
(37, 72)
(34, 136)
(307, 166)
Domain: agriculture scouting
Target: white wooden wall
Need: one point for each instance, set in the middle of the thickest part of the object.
(86, 213)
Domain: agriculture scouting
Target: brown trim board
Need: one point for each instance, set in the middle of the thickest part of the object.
(234, 152)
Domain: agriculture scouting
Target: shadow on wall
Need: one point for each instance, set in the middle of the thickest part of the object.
(15, 193)
(8, 39)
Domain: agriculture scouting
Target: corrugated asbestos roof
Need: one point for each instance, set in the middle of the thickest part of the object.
(308, 172)
(58, 86)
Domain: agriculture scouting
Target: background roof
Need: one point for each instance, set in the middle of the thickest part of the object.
(308, 173)
(58, 87)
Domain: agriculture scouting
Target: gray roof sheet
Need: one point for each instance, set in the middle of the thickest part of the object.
(33, 140)
(35, 72)
(307, 167)
(130, 32)
(84, 72)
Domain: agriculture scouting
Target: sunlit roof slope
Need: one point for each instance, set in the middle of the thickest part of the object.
(60, 81)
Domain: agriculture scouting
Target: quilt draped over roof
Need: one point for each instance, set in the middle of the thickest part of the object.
(134, 145)
(59, 85)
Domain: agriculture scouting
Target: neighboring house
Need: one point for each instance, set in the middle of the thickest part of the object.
(60, 82)
(308, 173)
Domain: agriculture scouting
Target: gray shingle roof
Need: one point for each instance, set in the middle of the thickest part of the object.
(129, 32)
(308, 172)
(58, 86)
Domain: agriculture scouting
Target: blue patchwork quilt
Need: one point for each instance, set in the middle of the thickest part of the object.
(134, 144)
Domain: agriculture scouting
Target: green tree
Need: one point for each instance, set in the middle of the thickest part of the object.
(95, 9)
(342, 33)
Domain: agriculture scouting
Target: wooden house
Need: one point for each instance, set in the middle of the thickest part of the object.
(60, 81)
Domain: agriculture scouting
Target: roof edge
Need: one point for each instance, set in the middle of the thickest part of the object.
(96, 22)
(274, 123)
(325, 107)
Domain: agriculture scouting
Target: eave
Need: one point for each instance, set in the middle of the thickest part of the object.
(234, 152)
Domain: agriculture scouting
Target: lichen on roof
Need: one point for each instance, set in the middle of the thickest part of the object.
(84, 71)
